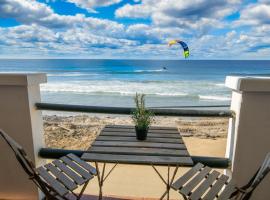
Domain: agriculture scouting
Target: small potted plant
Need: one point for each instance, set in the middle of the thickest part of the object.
(141, 117)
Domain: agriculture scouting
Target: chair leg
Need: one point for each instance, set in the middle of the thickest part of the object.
(84, 187)
(239, 195)
(184, 196)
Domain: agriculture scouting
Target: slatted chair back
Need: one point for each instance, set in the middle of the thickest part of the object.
(26, 163)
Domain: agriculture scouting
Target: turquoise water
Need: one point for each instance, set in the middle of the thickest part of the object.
(114, 82)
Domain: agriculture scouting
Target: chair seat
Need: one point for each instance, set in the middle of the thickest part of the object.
(202, 182)
(66, 174)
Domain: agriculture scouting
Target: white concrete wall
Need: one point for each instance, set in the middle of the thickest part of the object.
(19, 119)
(249, 133)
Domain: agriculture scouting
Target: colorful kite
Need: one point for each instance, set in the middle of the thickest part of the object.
(183, 44)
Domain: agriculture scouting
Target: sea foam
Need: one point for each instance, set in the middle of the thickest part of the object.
(177, 89)
(217, 98)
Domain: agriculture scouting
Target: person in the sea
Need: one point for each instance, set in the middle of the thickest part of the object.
(164, 68)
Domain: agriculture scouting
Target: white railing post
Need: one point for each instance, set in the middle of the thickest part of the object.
(20, 119)
(249, 132)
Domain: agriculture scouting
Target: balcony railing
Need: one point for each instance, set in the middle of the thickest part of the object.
(183, 111)
(215, 162)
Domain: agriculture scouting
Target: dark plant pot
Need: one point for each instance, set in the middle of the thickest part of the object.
(141, 134)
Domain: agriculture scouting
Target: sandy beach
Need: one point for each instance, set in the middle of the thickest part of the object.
(203, 136)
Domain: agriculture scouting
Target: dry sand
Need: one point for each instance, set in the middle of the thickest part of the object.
(203, 136)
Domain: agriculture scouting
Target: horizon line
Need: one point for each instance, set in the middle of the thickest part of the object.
(168, 59)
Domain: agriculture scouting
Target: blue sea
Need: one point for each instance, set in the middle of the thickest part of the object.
(166, 83)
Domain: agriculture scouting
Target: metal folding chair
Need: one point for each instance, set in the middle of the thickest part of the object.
(59, 179)
(202, 182)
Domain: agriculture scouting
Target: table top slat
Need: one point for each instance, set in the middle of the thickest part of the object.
(133, 139)
(118, 144)
(140, 145)
(150, 134)
(132, 127)
(135, 159)
(133, 130)
(139, 151)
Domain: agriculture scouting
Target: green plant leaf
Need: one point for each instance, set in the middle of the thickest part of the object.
(141, 116)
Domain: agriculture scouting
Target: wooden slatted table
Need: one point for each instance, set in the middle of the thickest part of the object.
(118, 144)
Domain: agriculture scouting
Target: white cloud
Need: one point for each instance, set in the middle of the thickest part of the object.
(143, 10)
(197, 15)
(255, 14)
(34, 34)
(179, 9)
(42, 41)
(45, 33)
(89, 5)
(255, 18)
(153, 34)
(34, 40)
(33, 12)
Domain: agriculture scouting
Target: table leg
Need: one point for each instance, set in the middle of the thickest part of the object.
(102, 177)
(167, 182)
(99, 181)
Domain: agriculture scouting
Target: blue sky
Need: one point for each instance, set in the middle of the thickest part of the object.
(140, 29)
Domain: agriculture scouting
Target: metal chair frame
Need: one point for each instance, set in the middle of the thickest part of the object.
(49, 191)
(238, 193)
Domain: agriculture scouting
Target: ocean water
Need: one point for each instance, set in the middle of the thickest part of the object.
(166, 83)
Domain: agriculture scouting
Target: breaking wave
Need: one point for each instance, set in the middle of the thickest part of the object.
(177, 89)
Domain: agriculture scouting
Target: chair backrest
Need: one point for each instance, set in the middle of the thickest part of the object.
(262, 172)
(257, 178)
(20, 154)
(27, 164)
